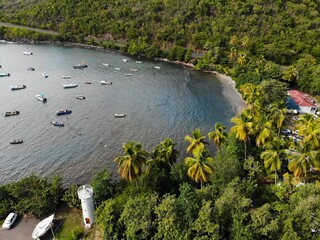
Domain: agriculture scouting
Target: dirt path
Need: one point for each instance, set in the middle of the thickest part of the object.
(4, 24)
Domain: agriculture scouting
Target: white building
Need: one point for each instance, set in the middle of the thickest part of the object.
(302, 102)
(85, 193)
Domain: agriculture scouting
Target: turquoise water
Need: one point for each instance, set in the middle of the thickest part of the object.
(158, 103)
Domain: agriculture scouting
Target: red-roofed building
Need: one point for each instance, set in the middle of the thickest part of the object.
(302, 102)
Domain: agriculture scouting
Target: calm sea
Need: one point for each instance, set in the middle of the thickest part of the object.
(158, 103)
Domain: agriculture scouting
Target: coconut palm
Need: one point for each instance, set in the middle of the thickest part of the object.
(279, 118)
(263, 129)
(275, 151)
(196, 140)
(311, 132)
(233, 40)
(242, 59)
(290, 74)
(219, 136)
(233, 54)
(199, 166)
(131, 163)
(245, 42)
(243, 129)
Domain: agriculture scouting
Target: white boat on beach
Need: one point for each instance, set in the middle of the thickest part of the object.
(41, 98)
(27, 53)
(105, 83)
(45, 75)
(66, 77)
(70, 85)
(42, 227)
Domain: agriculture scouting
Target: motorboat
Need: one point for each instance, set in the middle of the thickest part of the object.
(27, 53)
(80, 66)
(105, 83)
(66, 77)
(7, 114)
(87, 82)
(128, 74)
(42, 227)
(63, 112)
(41, 98)
(16, 141)
(70, 85)
(118, 69)
(30, 69)
(124, 60)
(119, 115)
(157, 67)
(57, 124)
(138, 62)
(133, 69)
(81, 97)
(18, 87)
(45, 75)
(4, 74)
(106, 64)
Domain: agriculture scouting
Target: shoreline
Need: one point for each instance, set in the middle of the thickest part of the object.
(229, 87)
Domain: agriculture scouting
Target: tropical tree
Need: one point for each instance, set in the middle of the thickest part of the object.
(219, 136)
(233, 40)
(242, 59)
(199, 166)
(290, 74)
(196, 140)
(243, 129)
(263, 129)
(233, 54)
(245, 42)
(311, 132)
(131, 163)
(273, 155)
(279, 117)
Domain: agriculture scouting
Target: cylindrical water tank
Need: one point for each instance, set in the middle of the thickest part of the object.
(85, 193)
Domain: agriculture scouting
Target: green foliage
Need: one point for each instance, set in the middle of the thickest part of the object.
(70, 197)
(103, 185)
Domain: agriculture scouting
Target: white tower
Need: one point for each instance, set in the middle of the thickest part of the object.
(85, 193)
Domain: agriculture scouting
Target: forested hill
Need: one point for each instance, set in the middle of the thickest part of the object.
(231, 32)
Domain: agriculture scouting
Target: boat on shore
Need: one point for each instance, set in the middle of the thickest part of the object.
(63, 112)
(41, 98)
(81, 97)
(66, 77)
(27, 53)
(70, 85)
(119, 115)
(16, 141)
(45, 75)
(4, 74)
(105, 83)
(8, 114)
(57, 124)
(30, 69)
(18, 87)
(42, 227)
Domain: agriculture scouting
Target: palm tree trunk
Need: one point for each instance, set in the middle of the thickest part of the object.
(275, 177)
(245, 151)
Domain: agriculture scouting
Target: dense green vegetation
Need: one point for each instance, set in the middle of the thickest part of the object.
(250, 40)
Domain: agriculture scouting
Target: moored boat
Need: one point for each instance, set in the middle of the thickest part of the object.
(70, 85)
(57, 124)
(42, 227)
(157, 67)
(8, 114)
(4, 74)
(87, 82)
(63, 112)
(105, 83)
(138, 62)
(27, 53)
(80, 66)
(30, 69)
(119, 115)
(41, 98)
(81, 97)
(118, 69)
(16, 141)
(106, 64)
(66, 77)
(124, 60)
(133, 69)
(128, 74)
(18, 87)
(45, 75)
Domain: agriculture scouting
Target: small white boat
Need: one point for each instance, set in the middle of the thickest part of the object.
(42, 227)
(119, 115)
(138, 62)
(57, 124)
(81, 97)
(128, 74)
(133, 69)
(66, 77)
(45, 75)
(27, 53)
(157, 67)
(118, 69)
(41, 98)
(106, 64)
(70, 85)
(4, 74)
(124, 60)
(18, 87)
(105, 83)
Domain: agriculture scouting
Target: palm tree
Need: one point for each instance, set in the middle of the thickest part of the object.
(218, 136)
(233, 54)
(311, 132)
(273, 155)
(279, 117)
(263, 129)
(243, 129)
(242, 59)
(196, 140)
(245, 42)
(233, 40)
(290, 74)
(131, 163)
(199, 166)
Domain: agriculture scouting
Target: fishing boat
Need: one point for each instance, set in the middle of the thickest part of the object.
(66, 77)
(57, 124)
(81, 97)
(80, 66)
(45, 75)
(41, 98)
(128, 74)
(70, 85)
(138, 62)
(27, 53)
(63, 112)
(157, 67)
(30, 69)
(18, 87)
(105, 83)
(133, 69)
(106, 64)
(124, 60)
(8, 114)
(42, 227)
(4, 74)
(16, 141)
(118, 69)
(119, 115)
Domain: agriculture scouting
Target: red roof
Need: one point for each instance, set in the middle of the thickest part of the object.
(301, 98)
